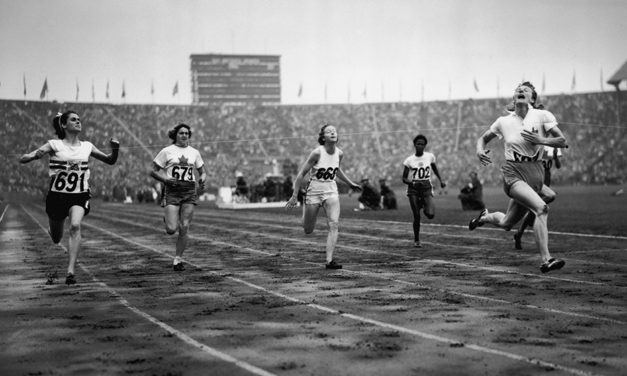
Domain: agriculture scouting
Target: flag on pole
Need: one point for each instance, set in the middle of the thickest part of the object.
(44, 89)
(152, 88)
(77, 90)
(300, 90)
(573, 84)
(365, 92)
(24, 82)
(474, 83)
(107, 92)
(175, 89)
(123, 90)
(93, 91)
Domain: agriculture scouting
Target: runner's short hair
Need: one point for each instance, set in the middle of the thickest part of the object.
(172, 132)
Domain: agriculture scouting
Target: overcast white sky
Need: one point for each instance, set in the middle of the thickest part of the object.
(390, 48)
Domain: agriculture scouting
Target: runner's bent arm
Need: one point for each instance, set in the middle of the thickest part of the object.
(406, 179)
(482, 153)
(36, 154)
(437, 173)
(556, 139)
(159, 174)
(110, 158)
(305, 168)
(202, 177)
(345, 179)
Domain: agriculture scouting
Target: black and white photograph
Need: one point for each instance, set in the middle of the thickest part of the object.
(313, 187)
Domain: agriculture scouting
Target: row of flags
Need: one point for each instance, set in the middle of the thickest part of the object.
(44, 89)
(475, 86)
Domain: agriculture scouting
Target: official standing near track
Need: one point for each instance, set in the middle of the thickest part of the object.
(524, 132)
(174, 167)
(69, 194)
(323, 164)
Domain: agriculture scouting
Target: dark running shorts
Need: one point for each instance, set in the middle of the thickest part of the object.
(58, 204)
(421, 188)
(183, 193)
(531, 173)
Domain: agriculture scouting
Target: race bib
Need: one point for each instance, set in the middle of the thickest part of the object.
(183, 173)
(326, 173)
(71, 177)
(421, 173)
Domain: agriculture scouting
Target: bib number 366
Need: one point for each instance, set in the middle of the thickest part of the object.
(326, 174)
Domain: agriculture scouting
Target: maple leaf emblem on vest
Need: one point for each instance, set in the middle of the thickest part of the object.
(183, 161)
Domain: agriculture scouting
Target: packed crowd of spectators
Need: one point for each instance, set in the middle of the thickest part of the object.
(252, 140)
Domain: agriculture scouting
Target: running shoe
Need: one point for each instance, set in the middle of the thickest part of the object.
(517, 241)
(70, 279)
(179, 267)
(333, 265)
(417, 244)
(476, 222)
(552, 264)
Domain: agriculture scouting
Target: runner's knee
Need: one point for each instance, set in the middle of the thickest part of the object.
(309, 229)
(75, 228)
(544, 210)
(56, 239)
(183, 228)
(334, 225)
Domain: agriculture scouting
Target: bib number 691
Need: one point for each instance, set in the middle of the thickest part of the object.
(69, 182)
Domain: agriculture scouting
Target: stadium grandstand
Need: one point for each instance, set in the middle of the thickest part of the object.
(248, 139)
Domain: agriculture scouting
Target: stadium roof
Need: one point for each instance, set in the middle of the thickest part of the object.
(620, 75)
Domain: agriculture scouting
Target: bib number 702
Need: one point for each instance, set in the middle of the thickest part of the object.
(421, 173)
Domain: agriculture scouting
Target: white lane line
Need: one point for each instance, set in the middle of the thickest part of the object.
(428, 336)
(469, 247)
(365, 250)
(600, 236)
(180, 335)
(369, 274)
(4, 211)
(465, 227)
(290, 221)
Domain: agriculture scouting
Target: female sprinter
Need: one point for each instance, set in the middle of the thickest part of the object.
(323, 164)
(69, 195)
